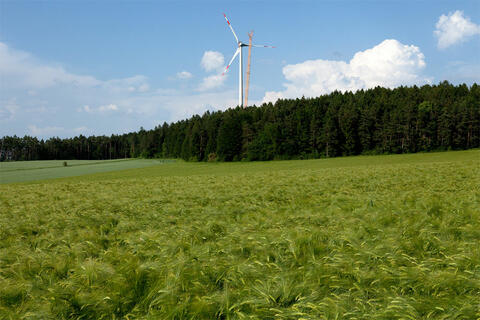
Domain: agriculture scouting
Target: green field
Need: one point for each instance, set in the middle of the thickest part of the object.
(19, 171)
(377, 237)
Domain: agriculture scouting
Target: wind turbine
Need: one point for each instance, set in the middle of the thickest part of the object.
(240, 62)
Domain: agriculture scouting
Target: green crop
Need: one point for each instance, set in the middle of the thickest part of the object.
(384, 237)
(20, 171)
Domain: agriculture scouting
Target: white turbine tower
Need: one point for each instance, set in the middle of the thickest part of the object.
(240, 62)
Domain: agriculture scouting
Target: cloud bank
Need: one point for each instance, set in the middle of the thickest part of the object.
(388, 64)
(22, 69)
(454, 28)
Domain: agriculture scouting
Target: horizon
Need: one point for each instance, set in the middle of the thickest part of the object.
(136, 131)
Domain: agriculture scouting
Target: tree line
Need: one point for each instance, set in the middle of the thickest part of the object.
(373, 121)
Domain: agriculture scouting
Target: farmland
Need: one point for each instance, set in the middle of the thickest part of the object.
(39, 170)
(368, 237)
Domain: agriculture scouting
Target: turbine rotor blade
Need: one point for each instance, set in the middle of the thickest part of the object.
(233, 58)
(231, 28)
(262, 46)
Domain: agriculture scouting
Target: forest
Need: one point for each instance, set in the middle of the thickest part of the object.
(374, 121)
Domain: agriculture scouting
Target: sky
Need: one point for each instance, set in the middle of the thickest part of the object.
(110, 67)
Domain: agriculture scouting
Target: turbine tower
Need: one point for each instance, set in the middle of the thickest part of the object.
(250, 35)
(240, 62)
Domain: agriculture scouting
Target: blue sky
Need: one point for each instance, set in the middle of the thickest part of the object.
(103, 67)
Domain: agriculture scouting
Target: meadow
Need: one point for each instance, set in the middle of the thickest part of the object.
(19, 171)
(368, 237)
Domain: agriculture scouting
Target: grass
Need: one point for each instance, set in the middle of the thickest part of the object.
(21, 171)
(387, 237)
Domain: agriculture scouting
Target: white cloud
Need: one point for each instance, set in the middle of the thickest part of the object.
(86, 108)
(50, 131)
(46, 131)
(388, 64)
(184, 75)
(80, 130)
(100, 109)
(136, 83)
(143, 87)
(8, 109)
(212, 82)
(23, 70)
(454, 28)
(110, 107)
(212, 61)
(178, 105)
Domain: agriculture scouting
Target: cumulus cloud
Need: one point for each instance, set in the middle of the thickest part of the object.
(388, 64)
(211, 82)
(212, 61)
(184, 75)
(454, 28)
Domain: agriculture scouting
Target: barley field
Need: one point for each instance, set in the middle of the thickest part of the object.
(377, 237)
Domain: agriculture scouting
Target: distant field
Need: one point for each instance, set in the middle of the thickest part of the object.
(377, 237)
(20, 171)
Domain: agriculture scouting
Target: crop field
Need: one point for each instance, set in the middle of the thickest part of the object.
(19, 171)
(377, 237)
